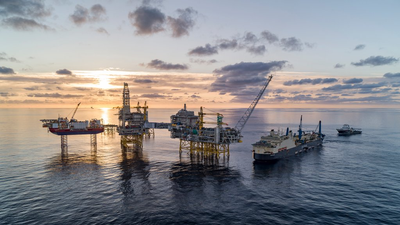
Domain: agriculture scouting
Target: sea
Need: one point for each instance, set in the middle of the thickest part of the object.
(349, 180)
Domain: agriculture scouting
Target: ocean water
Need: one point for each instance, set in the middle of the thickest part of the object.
(350, 180)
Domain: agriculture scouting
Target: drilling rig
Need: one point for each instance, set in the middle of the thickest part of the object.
(131, 125)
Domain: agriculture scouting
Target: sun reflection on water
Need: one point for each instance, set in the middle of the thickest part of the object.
(104, 115)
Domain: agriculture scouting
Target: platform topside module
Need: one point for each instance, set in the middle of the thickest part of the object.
(188, 127)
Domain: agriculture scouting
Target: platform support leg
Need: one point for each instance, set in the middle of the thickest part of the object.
(64, 144)
(93, 142)
(134, 142)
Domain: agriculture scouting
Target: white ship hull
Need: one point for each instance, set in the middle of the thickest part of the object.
(265, 154)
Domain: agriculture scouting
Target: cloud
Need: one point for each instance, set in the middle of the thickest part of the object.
(51, 80)
(310, 81)
(395, 85)
(154, 95)
(392, 75)
(339, 66)
(161, 65)
(25, 8)
(309, 45)
(54, 95)
(359, 47)
(147, 20)
(248, 41)
(185, 21)
(23, 24)
(377, 99)
(257, 50)
(102, 30)
(353, 81)
(339, 87)
(279, 91)
(32, 88)
(238, 76)
(335, 99)
(83, 88)
(100, 93)
(97, 11)
(80, 16)
(144, 81)
(201, 61)
(245, 95)
(5, 70)
(270, 37)
(11, 59)
(83, 15)
(195, 96)
(227, 44)
(64, 72)
(291, 44)
(204, 51)
(7, 94)
(250, 38)
(376, 61)
(376, 91)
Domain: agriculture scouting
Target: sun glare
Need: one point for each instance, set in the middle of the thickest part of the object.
(104, 82)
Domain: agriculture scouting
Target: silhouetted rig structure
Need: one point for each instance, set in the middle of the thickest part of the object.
(133, 126)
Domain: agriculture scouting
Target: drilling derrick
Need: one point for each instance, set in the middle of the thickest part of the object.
(131, 124)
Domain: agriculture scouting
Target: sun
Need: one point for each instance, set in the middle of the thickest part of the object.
(104, 82)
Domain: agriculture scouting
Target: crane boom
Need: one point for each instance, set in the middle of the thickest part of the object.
(242, 122)
(75, 110)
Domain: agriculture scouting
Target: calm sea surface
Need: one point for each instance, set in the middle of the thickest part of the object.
(350, 180)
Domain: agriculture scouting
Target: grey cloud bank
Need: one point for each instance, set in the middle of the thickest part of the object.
(376, 61)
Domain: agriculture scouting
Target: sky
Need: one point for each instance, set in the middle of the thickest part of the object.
(216, 54)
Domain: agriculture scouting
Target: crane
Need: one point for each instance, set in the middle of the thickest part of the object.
(201, 119)
(75, 111)
(242, 121)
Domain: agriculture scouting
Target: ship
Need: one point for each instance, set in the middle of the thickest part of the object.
(278, 145)
(346, 130)
(63, 126)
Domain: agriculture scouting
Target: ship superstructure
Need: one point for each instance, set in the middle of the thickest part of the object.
(63, 126)
(346, 130)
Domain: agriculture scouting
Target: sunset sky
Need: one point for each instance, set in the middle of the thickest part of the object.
(217, 54)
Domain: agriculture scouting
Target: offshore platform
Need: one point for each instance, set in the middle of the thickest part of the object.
(134, 126)
(194, 137)
(185, 125)
(131, 124)
(64, 127)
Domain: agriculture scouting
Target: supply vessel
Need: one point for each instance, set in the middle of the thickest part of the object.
(63, 126)
(346, 130)
(277, 145)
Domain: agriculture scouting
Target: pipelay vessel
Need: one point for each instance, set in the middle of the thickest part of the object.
(276, 146)
(63, 126)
